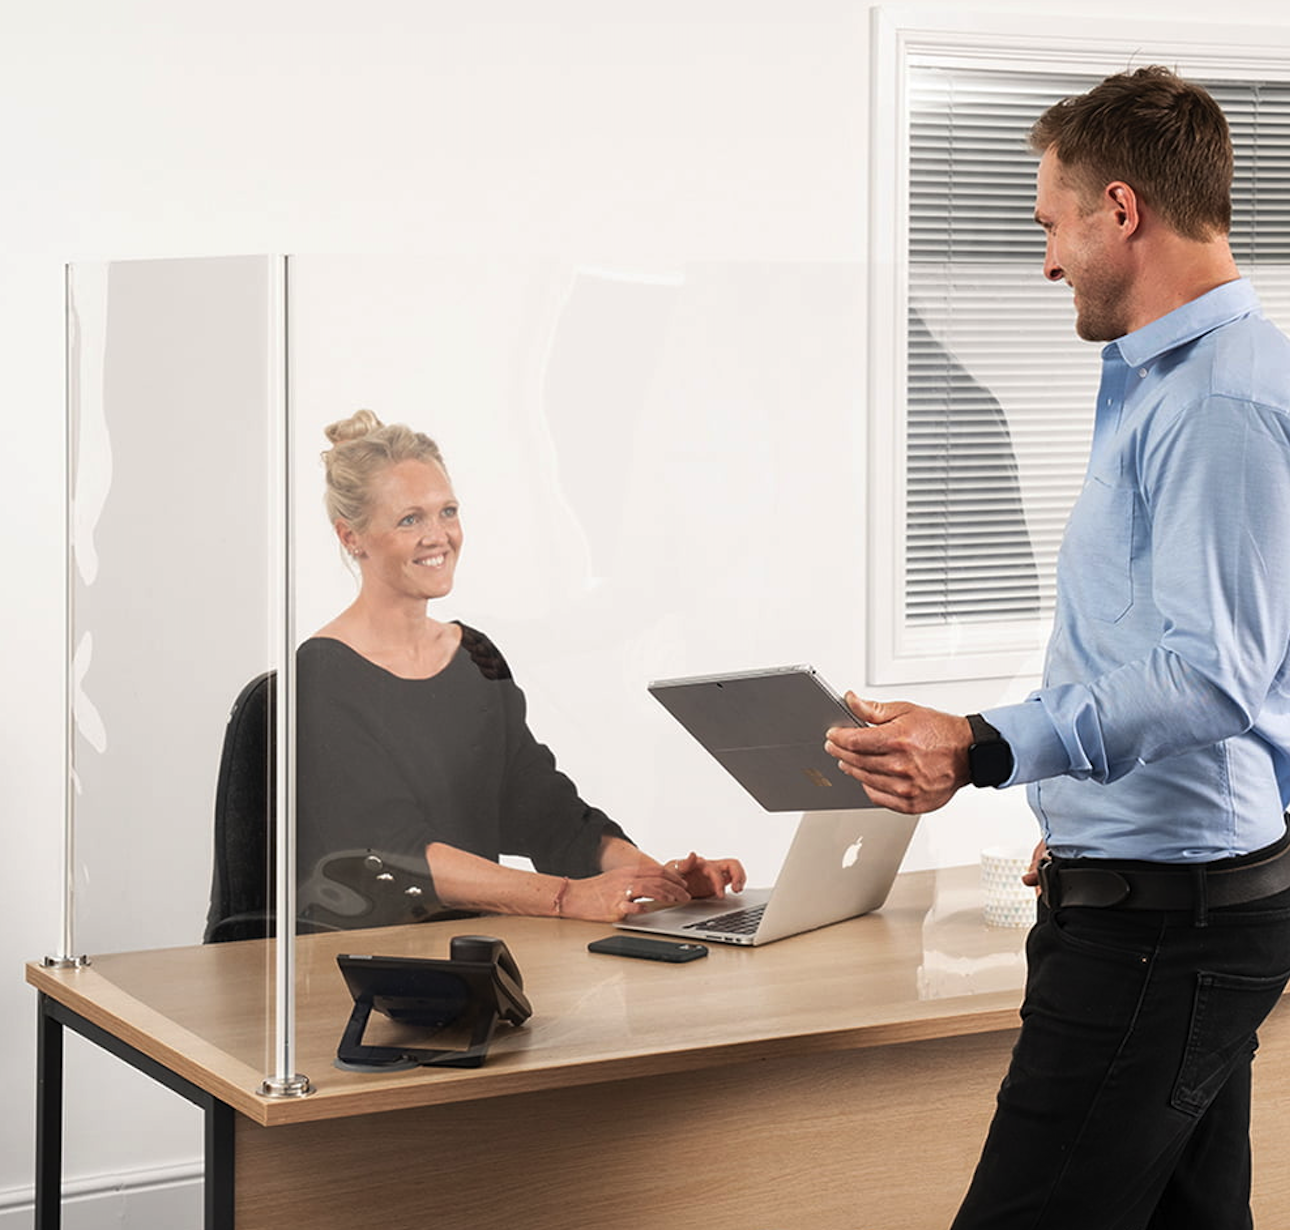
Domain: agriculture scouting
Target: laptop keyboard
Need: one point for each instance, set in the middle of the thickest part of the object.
(737, 922)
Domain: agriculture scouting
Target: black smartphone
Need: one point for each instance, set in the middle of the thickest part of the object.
(647, 949)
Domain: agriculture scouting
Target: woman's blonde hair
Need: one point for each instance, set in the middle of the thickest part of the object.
(363, 447)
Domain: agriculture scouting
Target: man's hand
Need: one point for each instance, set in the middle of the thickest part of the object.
(1031, 878)
(908, 758)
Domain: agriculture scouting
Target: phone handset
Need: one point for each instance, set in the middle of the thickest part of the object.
(513, 1005)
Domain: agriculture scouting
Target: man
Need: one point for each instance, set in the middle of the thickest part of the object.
(1157, 751)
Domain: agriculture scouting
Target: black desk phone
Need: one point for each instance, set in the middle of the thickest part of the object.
(467, 995)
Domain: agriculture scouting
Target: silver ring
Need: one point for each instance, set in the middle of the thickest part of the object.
(629, 892)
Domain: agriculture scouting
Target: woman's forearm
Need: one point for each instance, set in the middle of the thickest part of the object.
(467, 882)
(615, 853)
(628, 881)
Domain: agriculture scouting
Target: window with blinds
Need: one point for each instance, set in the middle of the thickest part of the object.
(998, 390)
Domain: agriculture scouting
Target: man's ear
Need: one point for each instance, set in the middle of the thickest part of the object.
(1123, 202)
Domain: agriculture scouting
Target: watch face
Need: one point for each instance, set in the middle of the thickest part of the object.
(990, 763)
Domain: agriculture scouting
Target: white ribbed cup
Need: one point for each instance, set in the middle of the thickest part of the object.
(1008, 902)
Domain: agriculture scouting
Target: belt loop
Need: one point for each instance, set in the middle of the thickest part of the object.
(1200, 884)
(1047, 882)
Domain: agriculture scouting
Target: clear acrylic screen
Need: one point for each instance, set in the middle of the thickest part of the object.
(173, 498)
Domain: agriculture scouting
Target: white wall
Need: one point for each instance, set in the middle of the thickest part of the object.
(701, 130)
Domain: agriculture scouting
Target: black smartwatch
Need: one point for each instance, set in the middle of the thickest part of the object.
(989, 757)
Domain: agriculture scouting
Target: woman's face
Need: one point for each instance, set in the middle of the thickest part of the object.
(413, 536)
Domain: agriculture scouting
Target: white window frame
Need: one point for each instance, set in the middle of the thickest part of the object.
(898, 652)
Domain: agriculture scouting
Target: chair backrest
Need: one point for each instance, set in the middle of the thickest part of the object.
(350, 888)
(243, 868)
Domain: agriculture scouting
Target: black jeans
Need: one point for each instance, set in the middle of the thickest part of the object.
(1127, 1102)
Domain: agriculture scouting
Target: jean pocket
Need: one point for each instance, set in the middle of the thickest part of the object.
(1111, 935)
(1226, 1014)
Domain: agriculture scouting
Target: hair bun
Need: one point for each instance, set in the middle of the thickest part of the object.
(358, 425)
(361, 447)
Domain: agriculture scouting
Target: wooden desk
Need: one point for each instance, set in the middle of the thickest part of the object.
(840, 1078)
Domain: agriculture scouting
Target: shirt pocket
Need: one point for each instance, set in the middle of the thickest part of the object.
(1097, 551)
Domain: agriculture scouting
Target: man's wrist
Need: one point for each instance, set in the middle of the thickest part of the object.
(990, 760)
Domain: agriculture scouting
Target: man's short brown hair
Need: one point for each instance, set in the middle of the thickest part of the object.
(1163, 136)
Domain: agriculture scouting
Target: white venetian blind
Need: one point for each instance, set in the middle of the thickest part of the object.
(999, 390)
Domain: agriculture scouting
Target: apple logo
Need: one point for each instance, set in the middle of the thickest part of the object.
(852, 853)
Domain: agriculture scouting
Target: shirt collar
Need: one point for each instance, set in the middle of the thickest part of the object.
(1220, 306)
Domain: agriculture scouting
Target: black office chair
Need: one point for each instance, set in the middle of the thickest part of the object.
(349, 888)
(242, 873)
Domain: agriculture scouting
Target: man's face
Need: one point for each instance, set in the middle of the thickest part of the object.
(1082, 252)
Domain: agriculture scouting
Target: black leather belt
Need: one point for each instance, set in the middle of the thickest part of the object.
(1198, 887)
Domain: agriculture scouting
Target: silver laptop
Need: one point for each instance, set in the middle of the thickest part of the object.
(841, 864)
(766, 728)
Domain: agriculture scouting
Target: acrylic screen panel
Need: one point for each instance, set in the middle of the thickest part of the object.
(659, 470)
(171, 420)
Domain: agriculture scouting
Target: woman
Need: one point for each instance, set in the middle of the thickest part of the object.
(413, 739)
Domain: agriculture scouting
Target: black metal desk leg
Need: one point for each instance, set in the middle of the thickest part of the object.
(49, 1119)
(219, 1187)
(219, 1118)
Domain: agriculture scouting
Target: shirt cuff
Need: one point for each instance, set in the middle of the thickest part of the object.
(1037, 748)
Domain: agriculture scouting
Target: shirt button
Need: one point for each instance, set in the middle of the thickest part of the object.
(1142, 371)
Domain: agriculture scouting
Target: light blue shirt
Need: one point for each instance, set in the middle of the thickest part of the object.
(1162, 730)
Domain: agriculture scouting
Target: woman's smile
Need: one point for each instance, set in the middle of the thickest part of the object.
(414, 527)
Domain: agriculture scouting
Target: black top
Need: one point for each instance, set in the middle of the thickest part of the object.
(390, 765)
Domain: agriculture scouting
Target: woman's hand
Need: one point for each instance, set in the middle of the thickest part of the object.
(622, 891)
(692, 876)
(709, 877)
